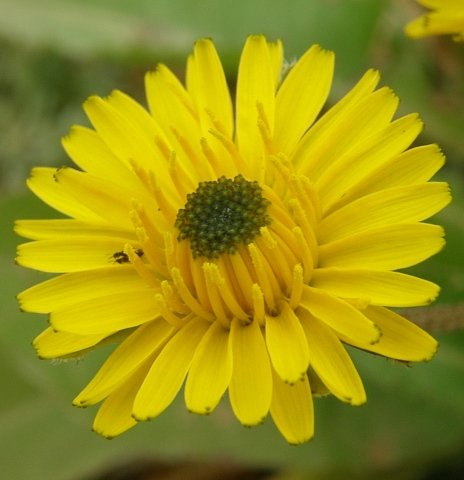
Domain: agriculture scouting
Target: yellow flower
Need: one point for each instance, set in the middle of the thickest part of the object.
(446, 18)
(240, 251)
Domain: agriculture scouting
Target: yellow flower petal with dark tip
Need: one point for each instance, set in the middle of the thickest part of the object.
(292, 410)
(234, 245)
(335, 369)
(445, 18)
(250, 388)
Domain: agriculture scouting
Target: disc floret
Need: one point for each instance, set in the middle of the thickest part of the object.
(221, 214)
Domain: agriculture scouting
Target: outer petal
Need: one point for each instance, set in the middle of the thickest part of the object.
(132, 353)
(106, 314)
(250, 388)
(115, 415)
(411, 203)
(287, 345)
(42, 183)
(169, 370)
(71, 254)
(210, 372)
(339, 315)
(391, 289)
(86, 148)
(51, 344)
(317, 150)
(292, 410)
(301, 97)
(401, 339)
(97, 193)
(412, 167)
(331, 361)
(63, 227)
(211, 90)
(385, 248)
(255, 84)
(70, 288)
(359, 161)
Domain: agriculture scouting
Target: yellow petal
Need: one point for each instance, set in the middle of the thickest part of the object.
(414, 166)
(330, 360)
(317, 150)
(71, 254)
(115, 414)
(97, 193)
(210, 372)
(106, 314)
(391, 289)
(401, 339)
(168, 372)
(255, 84)
(51, 344)
(292, 410)
(42, 183)
(301, 97)
(411, 203)
(211, 90)
(49, 229)
(384, 248)
(133, 352)
(250, 387)
(71, 287)
(359, 161)
(339, 315)
(171, 106)
(287, 345)
(86, 148)
(276, 53)
(124, 139)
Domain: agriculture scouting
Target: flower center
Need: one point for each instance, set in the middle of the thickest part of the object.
(221, 214)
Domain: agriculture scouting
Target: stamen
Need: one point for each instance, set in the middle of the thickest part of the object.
(165, 206)
(242, 273)
(229, 145)
(264, 277)
(140, 267)
(306, 203)
(268, 246)
(214, 296)
(312, 196)
(303, 223)
(140, 218)
(201, 289)
(169, 250)
(225, 168)
(188, 298)
(172, 298)
(179, 177)
(258, 304)
(174, 320)
(152, 251)
(297, 288)
(199, 166)
(164, 147)
(226, 294)
(305, 253)
(287, 237)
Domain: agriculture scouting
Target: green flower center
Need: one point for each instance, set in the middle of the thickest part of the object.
(221, 214)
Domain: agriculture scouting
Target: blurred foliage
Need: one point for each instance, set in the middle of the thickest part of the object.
(55, 53)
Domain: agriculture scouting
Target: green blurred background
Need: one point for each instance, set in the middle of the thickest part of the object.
(55, 53)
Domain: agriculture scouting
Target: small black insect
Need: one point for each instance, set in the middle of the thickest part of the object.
(121, 257)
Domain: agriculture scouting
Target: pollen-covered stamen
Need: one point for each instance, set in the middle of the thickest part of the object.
(222, 214)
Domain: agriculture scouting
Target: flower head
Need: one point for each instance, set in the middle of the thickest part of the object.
(445, 18)
(235, 251)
